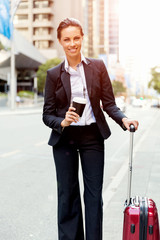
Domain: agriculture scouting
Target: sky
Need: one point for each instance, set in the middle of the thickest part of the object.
(140, 29)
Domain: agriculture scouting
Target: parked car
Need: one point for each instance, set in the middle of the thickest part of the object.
(155, 103)
(137, 103)
(121, 103)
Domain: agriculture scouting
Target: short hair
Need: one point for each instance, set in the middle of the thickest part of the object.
(66, 23)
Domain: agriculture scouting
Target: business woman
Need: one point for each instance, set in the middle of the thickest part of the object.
(73, 137)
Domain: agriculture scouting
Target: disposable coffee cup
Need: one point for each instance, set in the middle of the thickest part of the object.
(79, 104)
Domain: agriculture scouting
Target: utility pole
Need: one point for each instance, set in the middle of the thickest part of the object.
(13, 80)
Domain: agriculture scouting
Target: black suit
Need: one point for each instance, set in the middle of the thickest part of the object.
(58, 95)
(87, 140)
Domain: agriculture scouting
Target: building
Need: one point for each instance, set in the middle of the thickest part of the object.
(113, 31)
(34, 19)
(94, 28)
(63, 9)
(37, 20)
(27, 61)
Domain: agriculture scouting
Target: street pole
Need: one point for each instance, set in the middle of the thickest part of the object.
(35, 90)
(13, 80)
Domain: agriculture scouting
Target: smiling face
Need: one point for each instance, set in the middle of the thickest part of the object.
(71, 41)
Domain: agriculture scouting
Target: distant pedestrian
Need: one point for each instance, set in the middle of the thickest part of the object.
(18, 100)
(73, 136)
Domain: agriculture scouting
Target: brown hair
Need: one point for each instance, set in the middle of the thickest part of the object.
(66, 23)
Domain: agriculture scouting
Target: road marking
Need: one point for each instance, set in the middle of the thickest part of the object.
(113, 186)
(9, 154)
(41, 143)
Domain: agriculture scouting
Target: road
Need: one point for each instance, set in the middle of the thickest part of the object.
(28, 182)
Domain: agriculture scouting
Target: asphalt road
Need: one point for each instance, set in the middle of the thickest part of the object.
(27, 175)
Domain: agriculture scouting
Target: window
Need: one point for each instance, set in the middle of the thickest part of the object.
(36, 4)
(22, 17)
(36, 17)
(45, 4)
(45, 17)
(23, 5)
(42, 44)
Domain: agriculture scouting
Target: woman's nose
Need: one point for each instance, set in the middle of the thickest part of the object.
(72, 43)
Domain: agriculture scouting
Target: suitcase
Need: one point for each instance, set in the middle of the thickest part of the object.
(140, 213)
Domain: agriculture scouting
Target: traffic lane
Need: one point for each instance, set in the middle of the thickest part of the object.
(27, 180)
(117, 146)
(21, 132)
(27, 134)
(28, 196)
(18, 131)
(145, 179)
(28, 183)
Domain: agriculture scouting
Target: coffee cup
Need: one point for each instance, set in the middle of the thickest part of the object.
(79, 104)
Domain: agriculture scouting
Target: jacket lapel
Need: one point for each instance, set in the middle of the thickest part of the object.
(65, 78)
(89, 76)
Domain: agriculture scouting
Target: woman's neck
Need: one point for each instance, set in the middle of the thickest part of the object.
(73, 62)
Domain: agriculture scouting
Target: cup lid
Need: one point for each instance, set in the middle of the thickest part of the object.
(80, 100)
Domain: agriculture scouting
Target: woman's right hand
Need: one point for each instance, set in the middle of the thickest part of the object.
(71, 116)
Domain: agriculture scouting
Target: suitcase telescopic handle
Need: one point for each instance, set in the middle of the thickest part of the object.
(132, 130)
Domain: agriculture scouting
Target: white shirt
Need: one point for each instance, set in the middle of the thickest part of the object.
(79, 89)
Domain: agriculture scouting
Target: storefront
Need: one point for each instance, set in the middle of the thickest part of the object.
(27, 61)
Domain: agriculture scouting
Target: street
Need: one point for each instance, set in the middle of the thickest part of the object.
(28, 196)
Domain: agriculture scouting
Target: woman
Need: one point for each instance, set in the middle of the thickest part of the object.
(72, 136)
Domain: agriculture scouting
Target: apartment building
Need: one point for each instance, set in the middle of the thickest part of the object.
(113, 30)
(34, 19)
(94, 28)
(37, 20)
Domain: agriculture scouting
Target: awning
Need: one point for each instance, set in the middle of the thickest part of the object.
(26, 55)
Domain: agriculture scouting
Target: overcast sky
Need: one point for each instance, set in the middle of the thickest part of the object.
(140, 29)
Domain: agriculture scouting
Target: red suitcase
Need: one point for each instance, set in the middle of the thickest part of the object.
(140, 214)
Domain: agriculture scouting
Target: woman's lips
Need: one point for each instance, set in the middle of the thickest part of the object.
(73, 50)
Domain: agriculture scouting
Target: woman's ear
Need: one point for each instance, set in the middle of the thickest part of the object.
(59, 40)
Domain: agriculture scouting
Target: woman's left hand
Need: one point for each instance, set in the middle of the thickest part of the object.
(127, 122)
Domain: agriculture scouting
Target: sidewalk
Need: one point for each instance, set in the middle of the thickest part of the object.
(19, 110)
(145, 180)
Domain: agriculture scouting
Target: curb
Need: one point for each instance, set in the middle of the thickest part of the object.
(20, 112)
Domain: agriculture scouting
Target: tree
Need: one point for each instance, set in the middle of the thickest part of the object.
(155, 80)
(1, 46)
(42, 72)
(118, 87)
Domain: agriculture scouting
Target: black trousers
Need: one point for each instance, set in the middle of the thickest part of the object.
(86, 142)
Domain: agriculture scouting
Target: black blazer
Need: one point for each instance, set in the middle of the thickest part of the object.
(58, 96)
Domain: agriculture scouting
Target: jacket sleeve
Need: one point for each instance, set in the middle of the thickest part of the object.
(108, 99)
(49, 110)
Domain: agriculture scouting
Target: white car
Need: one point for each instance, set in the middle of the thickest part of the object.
(121, 103)
(137, 103)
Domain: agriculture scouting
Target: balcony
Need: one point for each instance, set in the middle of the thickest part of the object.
(46, 37)
(22, 11)
(43, 24)
(43, 11)
(22, 24)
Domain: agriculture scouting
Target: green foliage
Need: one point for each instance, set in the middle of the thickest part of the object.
(26, 94)
(118, 87)
(42, 72)
(1, 46)
(3, 94)
(155, 80)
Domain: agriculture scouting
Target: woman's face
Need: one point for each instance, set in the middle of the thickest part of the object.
(71, 41)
